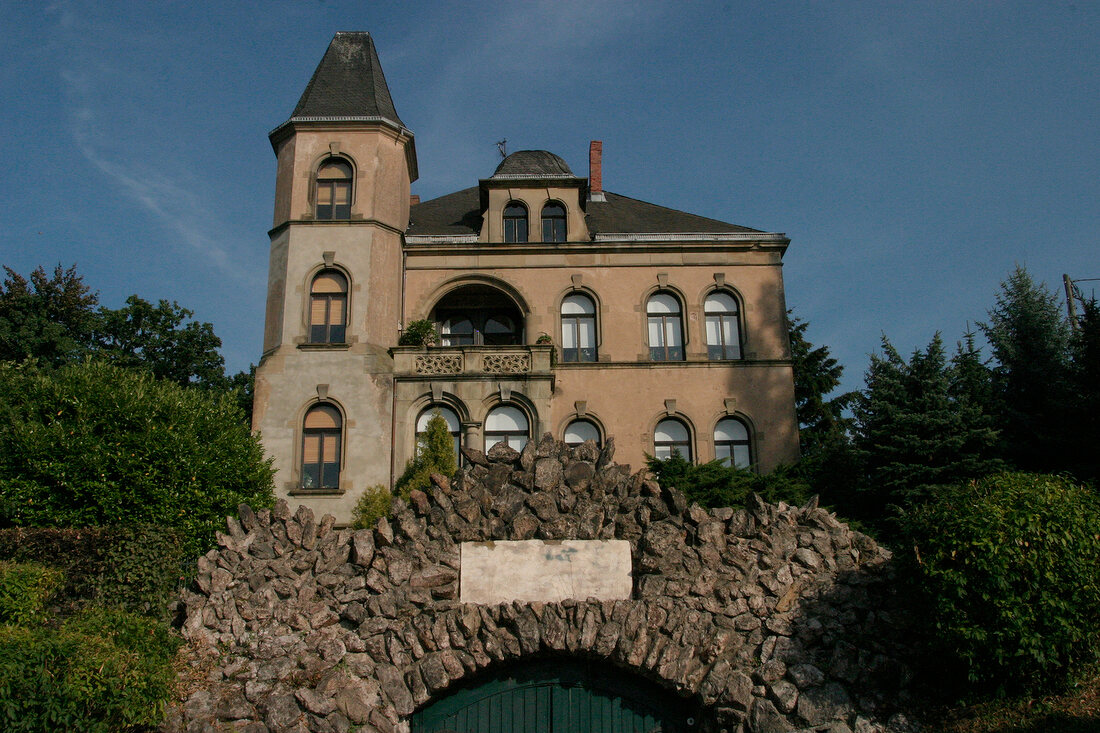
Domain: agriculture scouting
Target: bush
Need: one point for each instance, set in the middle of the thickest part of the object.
(372, 505)
(418, 333)
(135, 568)
(103, 671)
(94, 445)
(1009, 567)
(716, 485)
(25, 588)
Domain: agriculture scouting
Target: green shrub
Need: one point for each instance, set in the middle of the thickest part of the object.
(716, 485)
(1009, 566)
(418, 333)
(25, 588)
(142, 570)
(372, 505)
(96, 445)
(435, 453)
(103, 671)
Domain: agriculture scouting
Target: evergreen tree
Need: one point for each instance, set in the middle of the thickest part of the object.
(912, 434)
(1085, 395)
(971, 388)
(435, 453)
(821, 419)
(1031, 344)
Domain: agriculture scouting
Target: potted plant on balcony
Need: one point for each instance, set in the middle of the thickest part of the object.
(418, 333)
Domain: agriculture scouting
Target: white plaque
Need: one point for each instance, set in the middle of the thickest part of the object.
(548, 571)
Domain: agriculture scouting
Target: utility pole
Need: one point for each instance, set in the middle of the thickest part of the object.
(1071, 301)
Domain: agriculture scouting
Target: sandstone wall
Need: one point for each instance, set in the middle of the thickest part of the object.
(770, 618)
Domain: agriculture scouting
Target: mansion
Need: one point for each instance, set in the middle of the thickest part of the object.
(559, 307)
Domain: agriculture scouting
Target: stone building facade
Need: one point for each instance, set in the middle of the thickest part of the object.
(559, 307)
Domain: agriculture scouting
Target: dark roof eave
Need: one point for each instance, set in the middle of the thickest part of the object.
(285, 130)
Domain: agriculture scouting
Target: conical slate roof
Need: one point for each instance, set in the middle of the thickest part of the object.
(348, 83)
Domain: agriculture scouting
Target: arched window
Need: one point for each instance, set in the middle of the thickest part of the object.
(671, 436)
(334, 190)
(515, 222)
(457, 331)
(731, 443)
(666, 328)
(453, 426)
(578, 328)
(328, 308)
(723, 334)
(581, 430)
(507, 424)
(321, 447)
(553, 223)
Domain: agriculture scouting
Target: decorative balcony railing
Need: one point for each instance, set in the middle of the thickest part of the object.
(472, 360)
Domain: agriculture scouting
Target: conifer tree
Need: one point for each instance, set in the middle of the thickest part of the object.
(1084, 432)
(1030, 341)
(821, 420)
(435, 453)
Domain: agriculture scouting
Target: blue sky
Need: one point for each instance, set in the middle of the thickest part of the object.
(915, 153)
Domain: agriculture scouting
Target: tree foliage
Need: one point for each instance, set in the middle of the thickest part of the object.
(821, 419)
(47, 319)
(93, 444)
(716, 485)
(435, 453)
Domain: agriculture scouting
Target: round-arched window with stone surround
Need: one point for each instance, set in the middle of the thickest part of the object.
(515, 222)
(321, 438)
(553, 222)
(334, 178)
(578, 328)
(581, 430)
(665, 324)
(672, 436)
(722, 326)
(731, 443)
(328, 308)
(454, 427)
(506, 424)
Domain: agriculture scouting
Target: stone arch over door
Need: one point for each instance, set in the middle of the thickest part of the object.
(557, 695)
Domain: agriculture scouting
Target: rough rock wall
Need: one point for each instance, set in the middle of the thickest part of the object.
(771, 618)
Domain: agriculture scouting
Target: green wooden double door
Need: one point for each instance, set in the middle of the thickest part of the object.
(557, 697)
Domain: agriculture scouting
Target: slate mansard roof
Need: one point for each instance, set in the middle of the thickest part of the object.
(348, 84)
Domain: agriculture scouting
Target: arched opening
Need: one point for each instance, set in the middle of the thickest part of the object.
(556, 696)
(478, 314)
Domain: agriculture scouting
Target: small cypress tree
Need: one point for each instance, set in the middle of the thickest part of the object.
(435, 453)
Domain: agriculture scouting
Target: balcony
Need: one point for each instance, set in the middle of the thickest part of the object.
(472, 362)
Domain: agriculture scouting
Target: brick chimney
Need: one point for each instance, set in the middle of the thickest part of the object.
(414, 199)
(595, 171)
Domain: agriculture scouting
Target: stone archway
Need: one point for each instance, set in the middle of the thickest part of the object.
(767, 619)
(558, 695)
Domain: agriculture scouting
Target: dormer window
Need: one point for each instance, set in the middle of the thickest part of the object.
(515, 222)
(553, 223)
(334, 190)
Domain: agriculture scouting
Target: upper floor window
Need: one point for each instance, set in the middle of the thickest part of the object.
(321, 434)
(515, 222)
(506, 424)
(334, 190)
(581, 430)
(671, 436)
(723, 333)
(578, 328)
(328, 308)
(666, 328)
(449, 417)
(731, 443)
(458, 331)
(553, 223)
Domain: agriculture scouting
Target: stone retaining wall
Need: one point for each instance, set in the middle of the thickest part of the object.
(770, 618)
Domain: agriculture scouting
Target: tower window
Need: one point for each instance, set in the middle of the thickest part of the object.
(578, 328)
(334, 190)
(321, 433)
(553, 223)
(328, 308)
(723, 334)
(515, 222)
(666, 328)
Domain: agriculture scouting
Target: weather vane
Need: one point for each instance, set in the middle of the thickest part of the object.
(502, 146)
